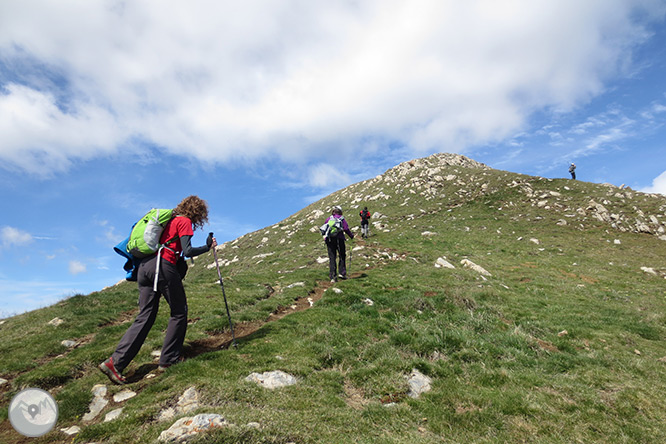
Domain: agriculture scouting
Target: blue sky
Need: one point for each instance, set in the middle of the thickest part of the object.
(109, 108)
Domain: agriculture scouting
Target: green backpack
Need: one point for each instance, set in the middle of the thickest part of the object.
(144, 239)
(332, 228)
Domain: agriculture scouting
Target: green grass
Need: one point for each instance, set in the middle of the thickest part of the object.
(563, 343)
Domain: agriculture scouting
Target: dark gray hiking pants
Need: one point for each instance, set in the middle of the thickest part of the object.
(336, 247)
(170, 286)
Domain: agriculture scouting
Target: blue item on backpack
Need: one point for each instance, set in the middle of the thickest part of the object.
(132, 265)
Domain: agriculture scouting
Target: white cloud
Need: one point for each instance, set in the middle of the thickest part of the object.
(239, 80)
(10, 236)
(324, 175)
(658, 185)
(77, 267)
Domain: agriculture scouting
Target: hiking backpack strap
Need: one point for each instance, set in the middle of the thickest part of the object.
(157, 260)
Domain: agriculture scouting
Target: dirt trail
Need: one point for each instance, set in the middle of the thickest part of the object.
(223, 340)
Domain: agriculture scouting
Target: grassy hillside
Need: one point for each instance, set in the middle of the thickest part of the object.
(562, 342)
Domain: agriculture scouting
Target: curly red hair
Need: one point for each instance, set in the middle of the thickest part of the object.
(195, 209)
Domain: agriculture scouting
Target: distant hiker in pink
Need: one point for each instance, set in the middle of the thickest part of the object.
(190, 214)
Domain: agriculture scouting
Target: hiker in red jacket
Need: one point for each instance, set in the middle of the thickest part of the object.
(190, 214)
(365, 215)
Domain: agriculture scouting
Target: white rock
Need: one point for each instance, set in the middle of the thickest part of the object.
(188, 402)
(68, 343)
(55, 322)
(322, 260)
(617, 242)
(441, 262)
(186, 428)
(73, 430)
(272, 380)
(97, 404)
(368, 301)
(99, 390)
(296, 284)
(113, 414)
(471, 265)
(428, 233)
(649, 270)
(418, 384)
(262, 256)
(123, 396)
(3, 381)
(336, 290)
(535, 241)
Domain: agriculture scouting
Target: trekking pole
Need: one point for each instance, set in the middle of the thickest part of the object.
(219, 275)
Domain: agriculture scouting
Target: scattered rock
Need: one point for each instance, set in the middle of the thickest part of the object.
(638, 352)
(428, 233)
(69, 343)
(188, 402)
(535, 241)
(649, 270)
(322, 260)
(272, 380)
(3, 381)
(563, 333)
(368, 301)
(441, 262)
(336, 290)
(123, 396)
(73, 430)
(55, 322)
(186, 428)
(296, 284)
(471, 265)
(97, 404)
(418, 384)
(617, 242)
(113, 414)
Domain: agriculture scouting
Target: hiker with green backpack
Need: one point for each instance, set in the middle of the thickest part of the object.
(334, 230)
(160, 273)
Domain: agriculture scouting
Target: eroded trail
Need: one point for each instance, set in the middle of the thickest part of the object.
(224, 340)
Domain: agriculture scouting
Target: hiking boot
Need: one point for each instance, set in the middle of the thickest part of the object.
(109, 370)
(334, 280)
(165, 367)
(342, 277)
